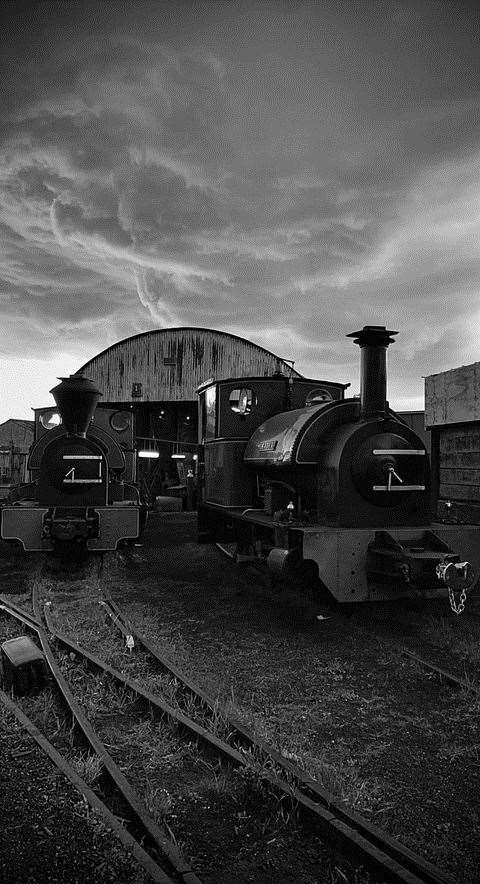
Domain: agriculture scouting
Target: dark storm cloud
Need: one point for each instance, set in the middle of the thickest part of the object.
(281, 171)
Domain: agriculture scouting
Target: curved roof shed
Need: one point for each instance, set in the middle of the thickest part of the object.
(167, 365)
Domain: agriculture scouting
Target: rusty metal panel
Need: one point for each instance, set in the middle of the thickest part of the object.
(453, 397)
(416, 421)
(169, 364)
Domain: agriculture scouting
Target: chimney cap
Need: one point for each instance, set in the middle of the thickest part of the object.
(77, 381)
(373, 335)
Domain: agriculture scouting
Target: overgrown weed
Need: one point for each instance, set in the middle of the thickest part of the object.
(89, 767)
(462, 638)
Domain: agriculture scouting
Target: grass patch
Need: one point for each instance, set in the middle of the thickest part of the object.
(88, 767)
(460, 638)
(45, 711)
(158, 802)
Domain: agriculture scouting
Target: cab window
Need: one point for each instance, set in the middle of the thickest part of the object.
(242, 400)
(210, 398)
(317, 396)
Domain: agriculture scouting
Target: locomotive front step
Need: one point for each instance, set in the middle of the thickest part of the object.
(421, 561)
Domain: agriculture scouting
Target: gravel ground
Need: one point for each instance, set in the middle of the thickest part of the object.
(225, 823)
(394, 742)
(372, 727)
(47, 833)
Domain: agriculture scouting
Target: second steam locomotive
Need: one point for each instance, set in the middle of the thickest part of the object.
(301, 477)
(82, 496)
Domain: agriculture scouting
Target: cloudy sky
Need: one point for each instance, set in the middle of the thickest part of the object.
(284, 171)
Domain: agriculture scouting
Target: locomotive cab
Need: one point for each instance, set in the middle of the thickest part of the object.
(230, 411)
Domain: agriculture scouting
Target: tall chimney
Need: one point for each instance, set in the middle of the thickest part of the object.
(76, 399)
(373, 341)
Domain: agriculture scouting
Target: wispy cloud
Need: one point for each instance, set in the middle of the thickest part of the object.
(286, 175)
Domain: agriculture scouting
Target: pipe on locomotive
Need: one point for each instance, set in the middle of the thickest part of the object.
(373, 341)
(76, 398)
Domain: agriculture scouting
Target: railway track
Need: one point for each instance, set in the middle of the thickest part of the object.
(466, 683)
(15, 570)
(350, 834)
(156, 852)
(442, 673)
(92, 799)
(449, 677)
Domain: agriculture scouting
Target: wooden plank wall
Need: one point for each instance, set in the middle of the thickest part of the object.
(459, 463)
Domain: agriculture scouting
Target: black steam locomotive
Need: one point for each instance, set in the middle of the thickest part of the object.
(82, 495)
(305, 479)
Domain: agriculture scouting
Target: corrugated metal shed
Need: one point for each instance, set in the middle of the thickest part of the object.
(168, 365)
(416, 422)
(17, 432)
(16, 436)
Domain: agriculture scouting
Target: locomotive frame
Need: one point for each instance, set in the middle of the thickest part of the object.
(337, 489)
(82, 495)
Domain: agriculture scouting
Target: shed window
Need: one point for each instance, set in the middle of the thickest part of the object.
(120, 421)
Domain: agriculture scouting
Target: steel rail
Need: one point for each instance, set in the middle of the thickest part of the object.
(444, 674)
(225, 551)
(349, 832)
(449, 677)
(153, 833)
(344, 838)
(304, 783)
(156, 873)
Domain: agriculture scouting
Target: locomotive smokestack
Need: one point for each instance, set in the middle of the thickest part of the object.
(76, 399)
(373, 341)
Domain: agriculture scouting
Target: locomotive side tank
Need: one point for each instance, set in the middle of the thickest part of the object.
(77, 499)
(340, 484)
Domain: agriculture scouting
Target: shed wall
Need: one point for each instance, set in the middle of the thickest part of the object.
(452, 411)
(416, 422)
(171, 363)
(17, 432)
(453, 397)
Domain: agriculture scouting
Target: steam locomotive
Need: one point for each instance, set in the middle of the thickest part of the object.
(309, 481)
(82, 496)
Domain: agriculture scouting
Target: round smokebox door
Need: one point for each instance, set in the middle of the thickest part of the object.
(387, 468)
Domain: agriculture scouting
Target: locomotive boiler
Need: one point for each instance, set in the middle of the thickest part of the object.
(79, 498)
(305, 479)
